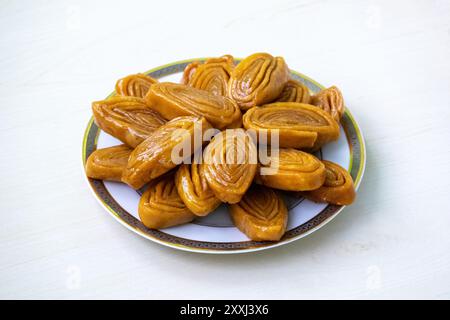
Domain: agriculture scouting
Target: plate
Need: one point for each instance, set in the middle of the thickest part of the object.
(215, 233)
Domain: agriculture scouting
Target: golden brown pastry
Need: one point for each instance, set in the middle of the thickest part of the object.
(299, 125)
(212, 75)
(331, 101)
(172, 100)
(294, 170)
(161, 206)
(153, 157)
(294, 91)
(135, 85)
(337, 189)
(194, 190)
(128, 119)
(258, 79)
(230, 162)
(108, 163)
(261, 214)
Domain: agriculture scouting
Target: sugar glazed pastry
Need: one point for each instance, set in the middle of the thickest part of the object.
(135, 85)
(193, 145)
(294, 91)
(128, 119)
(299, 125)
(153, 157)
(229, 166)
(172, 100)
(212, 75)
(261, 214)
(294, 170)
(258, 79)
(194, 190)
(337, 189)
(108, 163)
(161, 207)
(331, 101)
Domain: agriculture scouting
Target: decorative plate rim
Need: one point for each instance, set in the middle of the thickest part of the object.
(312, 225)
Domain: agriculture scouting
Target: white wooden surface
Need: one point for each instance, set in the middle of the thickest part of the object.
(391, 59)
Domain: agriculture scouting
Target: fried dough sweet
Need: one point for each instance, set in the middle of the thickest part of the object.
(294, 170)
(294, 91)
(258, 79)
(129, 119)
(173, 100)
(229, 166)
(160, 205)
(331, 101)
(163, 124)
(261, 214)
(338, 187)
(298, 125)
(135, 85)
(154, 157)
(194, 190)
(212, 75)
(108, 163)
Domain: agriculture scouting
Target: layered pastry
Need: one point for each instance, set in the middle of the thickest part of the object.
(258, 79)
(294, 91)
(229, 165)
(155, 156)
(212, 75)
(298, 125)
(160, 205)
(128, 119)
(193, 145)
(135, 85)
(261, 214)
(292, 170)
(194, 190)
(337, 189)
(172, 100)
(108, 163)
(331, 101)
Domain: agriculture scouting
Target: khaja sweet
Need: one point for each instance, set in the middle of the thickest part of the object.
(294, 91)
(229, 164)
(135, 85)
(293, 170)
(261, 214)
(164, 124)
(337, 189)
(298, 125)
(172, 100)
(161, 207)
(153, 157)
(258, 79)
(212, 75)
(331, 101)
(194, 190)
(129, 119)
(108, 163)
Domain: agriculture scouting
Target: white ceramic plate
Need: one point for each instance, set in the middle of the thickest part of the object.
(216, 233)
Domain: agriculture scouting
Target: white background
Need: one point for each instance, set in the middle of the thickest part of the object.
(391, 60)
